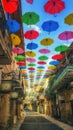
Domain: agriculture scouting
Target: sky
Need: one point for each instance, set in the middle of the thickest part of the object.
(38, 7)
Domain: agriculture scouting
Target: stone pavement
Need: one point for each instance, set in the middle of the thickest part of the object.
(60, 124)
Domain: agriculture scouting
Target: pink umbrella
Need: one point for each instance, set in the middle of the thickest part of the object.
(17, 50)
(66, 35)
(44, 51)
(31, 59)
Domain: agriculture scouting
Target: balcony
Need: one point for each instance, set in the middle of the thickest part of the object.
(5, 44)
(63, 78)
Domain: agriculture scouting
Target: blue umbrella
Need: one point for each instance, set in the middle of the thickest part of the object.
(50, 26)
(12, 25)
(32, 46)
(54, 62)
(22, 67)
(40, 67)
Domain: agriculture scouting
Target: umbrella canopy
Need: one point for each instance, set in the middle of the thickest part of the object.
(22, 67)
(30, 53)
(31, 34)
(15, 39)
(57, 57)
(66, 35)
(17, 50)
(10, 6)
(32, 46)
(40, 67)
(54, 62)
(19, 57)
(31, 68)
(52, 67)
(31, 60)
(30, 18)
(44, 51)
(29, 1)
(41, 62)
(12, 25)
(69, 19)
(46, 41)
(50, 26)
(43, 58)
(54, 6)
(21, 63)
(61, 48)
(31, 64)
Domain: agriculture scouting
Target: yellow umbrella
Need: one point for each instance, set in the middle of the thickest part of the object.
(15, 40)
(46, 41)
(69, 19)
(51, 67)
(39, 70)
(30, 53)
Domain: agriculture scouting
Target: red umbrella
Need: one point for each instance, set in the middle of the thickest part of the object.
(10, 6)
(31, 34)
(44, 51)
(41, 62)
(57, 57)
(54, 6)
(21, 63)
(31, 68)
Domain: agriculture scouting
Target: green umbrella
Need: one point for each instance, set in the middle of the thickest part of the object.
(19, 57)
(30, 18)
(39, 74)
(31, 64)
(43, 58)
(61, 48)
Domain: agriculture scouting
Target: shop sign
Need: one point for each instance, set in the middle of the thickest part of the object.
(6, 86)
(14, 95)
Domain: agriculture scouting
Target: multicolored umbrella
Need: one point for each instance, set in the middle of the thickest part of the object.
(30, 18)
(19, 57)
(61, 48)
(32, 46)
(41, 62)
(54, 62)
(44, 51)
(31, 34)
(54, 6)
(12, 25)
(43, 57)
(66, 35)
(31, 60)
(69, 19)
(30, 53)
(15, 39)
(50, 26)
(57, 57)
(10, 6)
(17, 50)
(46, 41)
